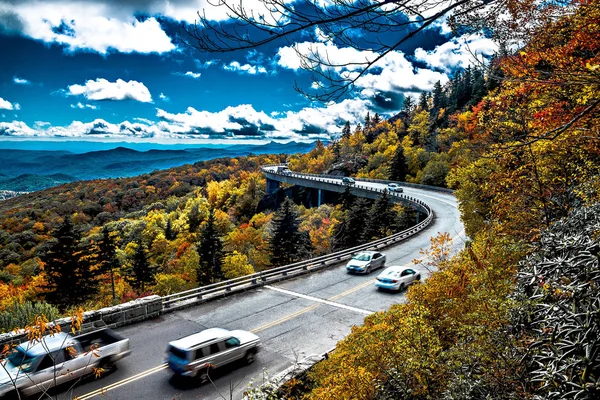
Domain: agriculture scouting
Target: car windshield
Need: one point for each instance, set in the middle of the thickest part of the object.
(19, 358)
(362, 257)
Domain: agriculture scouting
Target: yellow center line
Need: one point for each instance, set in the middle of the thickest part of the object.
(289, 317)
(115, 385)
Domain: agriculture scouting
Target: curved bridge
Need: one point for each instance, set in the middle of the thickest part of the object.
(294, 318)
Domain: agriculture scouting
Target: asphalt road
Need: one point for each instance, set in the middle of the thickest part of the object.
(290, 327)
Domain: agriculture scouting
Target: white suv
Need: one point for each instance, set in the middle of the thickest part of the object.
(197, 354)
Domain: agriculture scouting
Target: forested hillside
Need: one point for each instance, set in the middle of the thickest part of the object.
(96, 243)
(514, 315)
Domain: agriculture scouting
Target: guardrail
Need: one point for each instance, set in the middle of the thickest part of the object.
(201, 294)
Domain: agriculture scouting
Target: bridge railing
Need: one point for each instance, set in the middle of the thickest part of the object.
(193, 296)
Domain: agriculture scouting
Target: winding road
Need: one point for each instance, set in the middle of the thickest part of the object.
(294, 318)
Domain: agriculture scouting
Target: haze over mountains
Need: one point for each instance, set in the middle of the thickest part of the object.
(30, 170)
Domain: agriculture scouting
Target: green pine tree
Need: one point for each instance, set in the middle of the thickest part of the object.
(70, 280)
(398, 167)
(351, 230)
(382, 218)
(210, 250)
(287, 243)
(106, 257)
(346, 130)
(141, 272)
(170, 234)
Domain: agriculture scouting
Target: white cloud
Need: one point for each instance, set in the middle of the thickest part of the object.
(239, 122)
(20, 81)
(98, 26)
(7, 105)
(393, 73)
(245, 68)
(82, 106)
(164, 97)
(101, 89)
(194, 75)
(458, 53)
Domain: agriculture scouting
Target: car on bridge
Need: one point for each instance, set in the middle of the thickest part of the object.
(397, 278)
(196, 355)
(366, 261)
(394, 187)
(348, 181)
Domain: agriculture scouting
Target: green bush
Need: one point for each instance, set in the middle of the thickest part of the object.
(19, 315)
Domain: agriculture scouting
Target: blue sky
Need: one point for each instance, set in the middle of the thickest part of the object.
(115, 70)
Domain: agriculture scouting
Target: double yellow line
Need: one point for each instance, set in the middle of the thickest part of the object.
(115, 385)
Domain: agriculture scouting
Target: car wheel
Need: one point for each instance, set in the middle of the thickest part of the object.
(402, 287)
(418, 278)
(368, 271)
(250, 357)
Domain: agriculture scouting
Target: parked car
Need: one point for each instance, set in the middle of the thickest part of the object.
(348, 181)
(397, 278)
(197, 354)
(394, 187)
(33, 367)
(365, 262)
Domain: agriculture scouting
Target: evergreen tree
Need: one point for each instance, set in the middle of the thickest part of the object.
(382, 218)
(439, 98)
(70, 280)
(423, 103)
(140, 272)
(346, 130)
(194, 218)
(368, 121)
(376, 120)
(210, 250)
(408, 106)
(347, 199)
(287, 243)
(106, 257)
(170, 234)
(350, 231)
(398, 167)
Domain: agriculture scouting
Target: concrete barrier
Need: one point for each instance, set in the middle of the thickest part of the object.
(109, 317)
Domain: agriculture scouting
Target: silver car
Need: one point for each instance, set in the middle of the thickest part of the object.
(366, 261)
(197, 354)
(394, 187)
(397, 278)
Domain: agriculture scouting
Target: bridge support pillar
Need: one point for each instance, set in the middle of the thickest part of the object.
(321, 197)
(272, 186)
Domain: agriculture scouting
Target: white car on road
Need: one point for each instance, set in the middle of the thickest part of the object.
(397, 278)
(394, 187)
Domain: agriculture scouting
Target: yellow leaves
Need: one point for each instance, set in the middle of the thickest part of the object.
(592, 67)
(235, 265)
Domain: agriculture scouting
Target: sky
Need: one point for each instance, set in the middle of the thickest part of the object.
(118, 70)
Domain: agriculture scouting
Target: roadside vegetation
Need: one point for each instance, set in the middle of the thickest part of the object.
(515, 314)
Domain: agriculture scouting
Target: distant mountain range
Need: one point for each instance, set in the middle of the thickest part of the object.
(30, 170)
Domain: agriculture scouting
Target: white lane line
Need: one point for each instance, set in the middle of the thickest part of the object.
(318, 300)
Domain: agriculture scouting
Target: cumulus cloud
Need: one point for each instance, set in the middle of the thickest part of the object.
(110, 25)
(245, 68)
(101, 89)
(99, 26)
(391, 78)
(7, 105)
(239, 122)
(458, 53)
(20, 81)
(82, 106)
